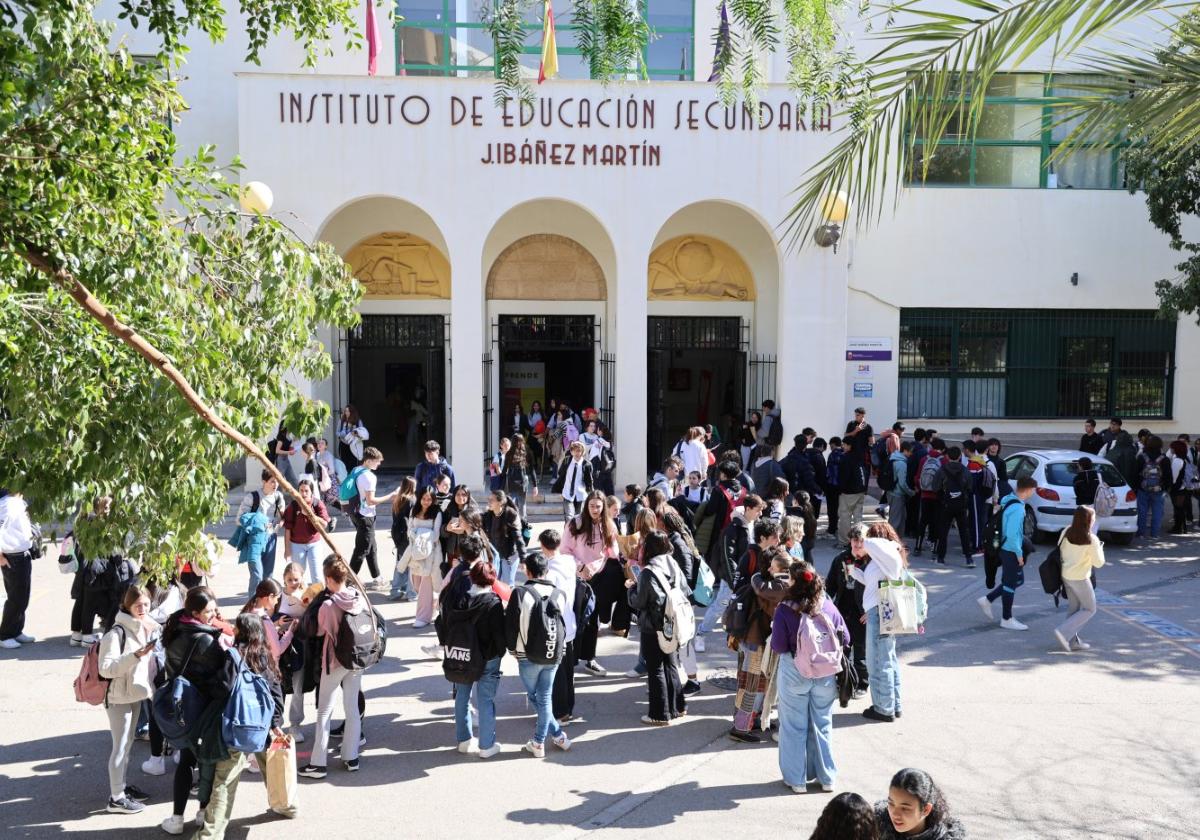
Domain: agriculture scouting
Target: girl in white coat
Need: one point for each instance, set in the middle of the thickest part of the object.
(125, 660)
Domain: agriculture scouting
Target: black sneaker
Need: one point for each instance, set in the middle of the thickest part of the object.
(871, 714)
(338, 731)
(970, 562)
(135, 792)
(897, 714)
(744, 737)
(312, 771)
(124, 805)
(691, 687)
(352, 765)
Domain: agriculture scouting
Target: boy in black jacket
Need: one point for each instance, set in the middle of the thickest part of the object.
(847, 596)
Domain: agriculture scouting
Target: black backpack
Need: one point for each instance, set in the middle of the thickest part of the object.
(887, 476)
(775, 435)
(993, 533)
(739, 611)
(361, 640)
(954, 491)
(463, 662)
(1050, 571)
(546, 638)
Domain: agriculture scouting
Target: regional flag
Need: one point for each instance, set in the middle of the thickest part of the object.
(549, 65)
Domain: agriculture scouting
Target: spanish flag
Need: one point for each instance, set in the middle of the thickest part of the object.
(549, 65)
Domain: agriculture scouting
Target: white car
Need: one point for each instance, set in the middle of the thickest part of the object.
(1053, 506)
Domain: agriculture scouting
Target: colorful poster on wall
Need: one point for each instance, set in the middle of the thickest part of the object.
(523, 383)
(864, 390)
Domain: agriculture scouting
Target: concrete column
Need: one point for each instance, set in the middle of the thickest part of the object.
(812, 315)
(629, 316)
(467, 343)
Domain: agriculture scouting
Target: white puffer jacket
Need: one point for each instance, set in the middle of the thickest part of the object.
(131, 675)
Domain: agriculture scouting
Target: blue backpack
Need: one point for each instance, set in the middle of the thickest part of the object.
(177, 705)
(246, 721)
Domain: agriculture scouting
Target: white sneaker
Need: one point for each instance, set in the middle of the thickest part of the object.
(76, 639)
(418, 624)
(535, 749)
(1012, 624)
(494, 749)
(468, 746)
(826, 788)
(176, 757)
(562, 742)
(986, 606)
(1079, 644)
(9, 644)
(433, 651)
(799, 788)
(1062, 640)
(252, 765)
(155, 765)
(173, 824)
(633, 674)
(89, 640)
(700, 646)
(296, 734)
(26, 639)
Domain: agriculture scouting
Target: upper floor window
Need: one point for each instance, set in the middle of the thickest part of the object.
(1017, 133)
(449, 38)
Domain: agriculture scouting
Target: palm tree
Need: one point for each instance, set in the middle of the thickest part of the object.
(935, 66)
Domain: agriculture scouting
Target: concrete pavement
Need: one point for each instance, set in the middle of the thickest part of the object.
(1027, 741)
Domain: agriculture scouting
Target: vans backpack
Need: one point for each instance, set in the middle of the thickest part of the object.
(1151, 473)
(679, 621)
(348, 489)
(177, 706)
(463, 661)
(546, 632)
(360, 642)
(929, 471)
(246, 720)
(90, 687)
(818, 648)
(1105, 503)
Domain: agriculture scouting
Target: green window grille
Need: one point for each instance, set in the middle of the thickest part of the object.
(449, 38)
(1028, 363)
(1017, 133)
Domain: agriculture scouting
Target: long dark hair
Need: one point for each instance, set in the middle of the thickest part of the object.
(196, 601)
(433, 510)
(250, 636)
(406, 494)
(920, 784)
(807, 588)
(1079, 532)
(266, 586)
(517, 456)
(583, 522)
(674, 524)
(656, 544)
(847, 817)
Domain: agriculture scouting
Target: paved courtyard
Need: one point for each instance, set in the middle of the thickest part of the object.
(1027, 741)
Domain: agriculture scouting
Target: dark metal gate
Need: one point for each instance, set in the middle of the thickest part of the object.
(608, 382)
(760, 384)
(487, 406)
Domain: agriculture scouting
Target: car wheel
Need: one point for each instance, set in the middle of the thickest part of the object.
(1032, 531)
(1119, 539)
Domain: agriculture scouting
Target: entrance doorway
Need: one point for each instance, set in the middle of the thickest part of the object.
(696, 375)
(397, 367)
(545, 357)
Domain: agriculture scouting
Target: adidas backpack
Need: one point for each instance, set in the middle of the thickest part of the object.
(246, 720)
(546, 635)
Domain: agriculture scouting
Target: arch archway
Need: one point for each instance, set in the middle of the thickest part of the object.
(392, 367)
(546, 266)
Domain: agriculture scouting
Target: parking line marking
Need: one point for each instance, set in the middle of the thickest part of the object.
(1168, 631)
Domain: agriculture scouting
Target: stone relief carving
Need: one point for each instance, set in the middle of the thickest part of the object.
(698, 268)
(400, 265)
(546, 266)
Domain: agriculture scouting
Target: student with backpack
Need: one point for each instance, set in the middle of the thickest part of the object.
(270, 503)
(807, 633)
(560, 572)
(535, 634)
(927, 472)
(196, 652)
(881, 559)
(300, 538)
(473, 631)
(729, 546)
(1011, 554)
(518, 475)
(1152, 478)
(342, 608)
(756, 665)
(251, 720)
(362, 511)
(1177, 486)
(665, 623)
(893, 480)
(1081, 552)
(123, 666)
(952, 484)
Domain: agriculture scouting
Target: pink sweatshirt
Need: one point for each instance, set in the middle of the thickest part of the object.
(348, 600)
(589, 559)
(278, 644)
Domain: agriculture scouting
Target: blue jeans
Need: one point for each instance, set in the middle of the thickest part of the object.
(508, 569)
(402, 584)
(1149, 507)
(306, 557)
(714, 611)
(539, 682)
(485, 699)
(805, 726)
(265, 567)
(883, 668)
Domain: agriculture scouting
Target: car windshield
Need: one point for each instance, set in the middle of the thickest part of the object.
(1063, 474)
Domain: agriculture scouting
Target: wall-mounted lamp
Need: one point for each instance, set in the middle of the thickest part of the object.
(833, 210)
(256, 197)
(1074, 278)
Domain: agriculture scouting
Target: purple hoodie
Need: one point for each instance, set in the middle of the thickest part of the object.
(348, 600)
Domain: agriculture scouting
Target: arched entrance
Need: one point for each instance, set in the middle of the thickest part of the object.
(713, 269)
(547, 297)
(392, 367)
